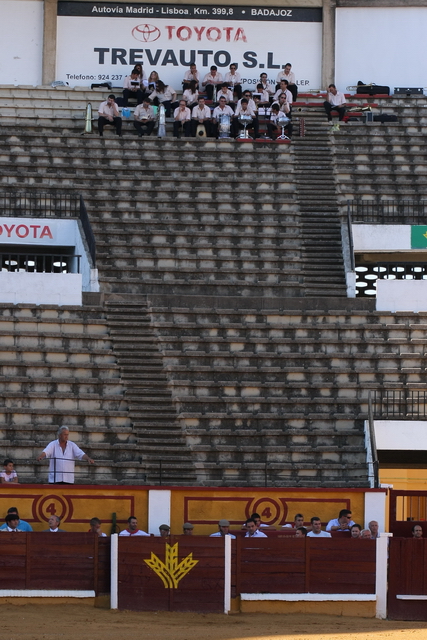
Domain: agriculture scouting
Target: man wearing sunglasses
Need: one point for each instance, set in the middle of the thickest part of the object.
(342, 523)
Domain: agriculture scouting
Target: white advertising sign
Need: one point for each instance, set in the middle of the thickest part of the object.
(40, 231)
(101, 42)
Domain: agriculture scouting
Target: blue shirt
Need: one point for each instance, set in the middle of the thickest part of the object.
(23, 526)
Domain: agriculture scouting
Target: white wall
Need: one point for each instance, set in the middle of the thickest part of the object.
(401, 435)
(41, 288)
(401, 295)
(382, 237)
(382, 45)
(21, 38)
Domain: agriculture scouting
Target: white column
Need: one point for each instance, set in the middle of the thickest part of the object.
(381, 575)
(375, 508)
(159, 509)
(114, 574)
(227, 574)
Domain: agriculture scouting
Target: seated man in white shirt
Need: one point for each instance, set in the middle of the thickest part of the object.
(226, 93)
(283, 89)
(109, 114)
(201, 115)
(252, 530)
(266, 85)
(233, 80)
(132, 529)
(335, 102)
(316, 529)
(287, 74)
(243, 109)
(211, 80)
(191, 74)
(224, 530)
(273, 126)
(182, 120)
(144, 118)
(222, 109)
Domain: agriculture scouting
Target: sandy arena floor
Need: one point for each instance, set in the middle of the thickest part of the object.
(73, 622)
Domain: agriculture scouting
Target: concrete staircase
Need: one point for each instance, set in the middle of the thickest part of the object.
(323, 268)
(159, 438)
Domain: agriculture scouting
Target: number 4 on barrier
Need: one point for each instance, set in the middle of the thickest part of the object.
(51, 509)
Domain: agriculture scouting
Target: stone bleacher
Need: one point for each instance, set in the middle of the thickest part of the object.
(222, 344)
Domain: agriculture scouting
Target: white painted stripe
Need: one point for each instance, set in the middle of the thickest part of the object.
(310, 597)
(408, 597)
(45, 593)
(227, 574)
(114, 572)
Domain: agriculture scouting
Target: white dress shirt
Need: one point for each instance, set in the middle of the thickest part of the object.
(232, 78)
(133, 533)
(106, 110)
(142, 113)
(201, 114)
(227, 111)
(61, 466)
(210, 79)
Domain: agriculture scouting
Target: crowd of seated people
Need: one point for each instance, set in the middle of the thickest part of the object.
(343, 526)
(150, 91)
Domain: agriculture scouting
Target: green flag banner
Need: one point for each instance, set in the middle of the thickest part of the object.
(419, 237)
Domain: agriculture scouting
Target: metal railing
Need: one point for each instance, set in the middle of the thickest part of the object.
(49, 205)
(387, 211)
(39, 263)
(373, 442)
(399, 403)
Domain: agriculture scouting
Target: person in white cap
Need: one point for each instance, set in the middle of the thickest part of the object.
(224, 530)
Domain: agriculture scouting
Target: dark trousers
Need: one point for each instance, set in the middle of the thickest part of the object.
(168, 105)
(182, 125)
(144, 127)
(330, 107)
(237, 127)
(117, 123)
(274, 130)
(208, 127)
(139, 95)
(237, 89)
(210, 89)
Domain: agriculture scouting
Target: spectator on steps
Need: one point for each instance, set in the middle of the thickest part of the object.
(233, 80)
(316, 529)
(273, 125)
(8, 474)
(164, 94)
(289, 76)
(132, 88)
(283, 88)
(144, 118)
(335, 102)
(201, 115)
(243, 109)
(153, 78)
(182, 120)
(266, 86)
(211, 81)
(192, 75)
(109, 114)
(62, 453)
(23, 526)
(191, 95)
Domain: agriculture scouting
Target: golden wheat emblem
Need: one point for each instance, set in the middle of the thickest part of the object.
(171, 572)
